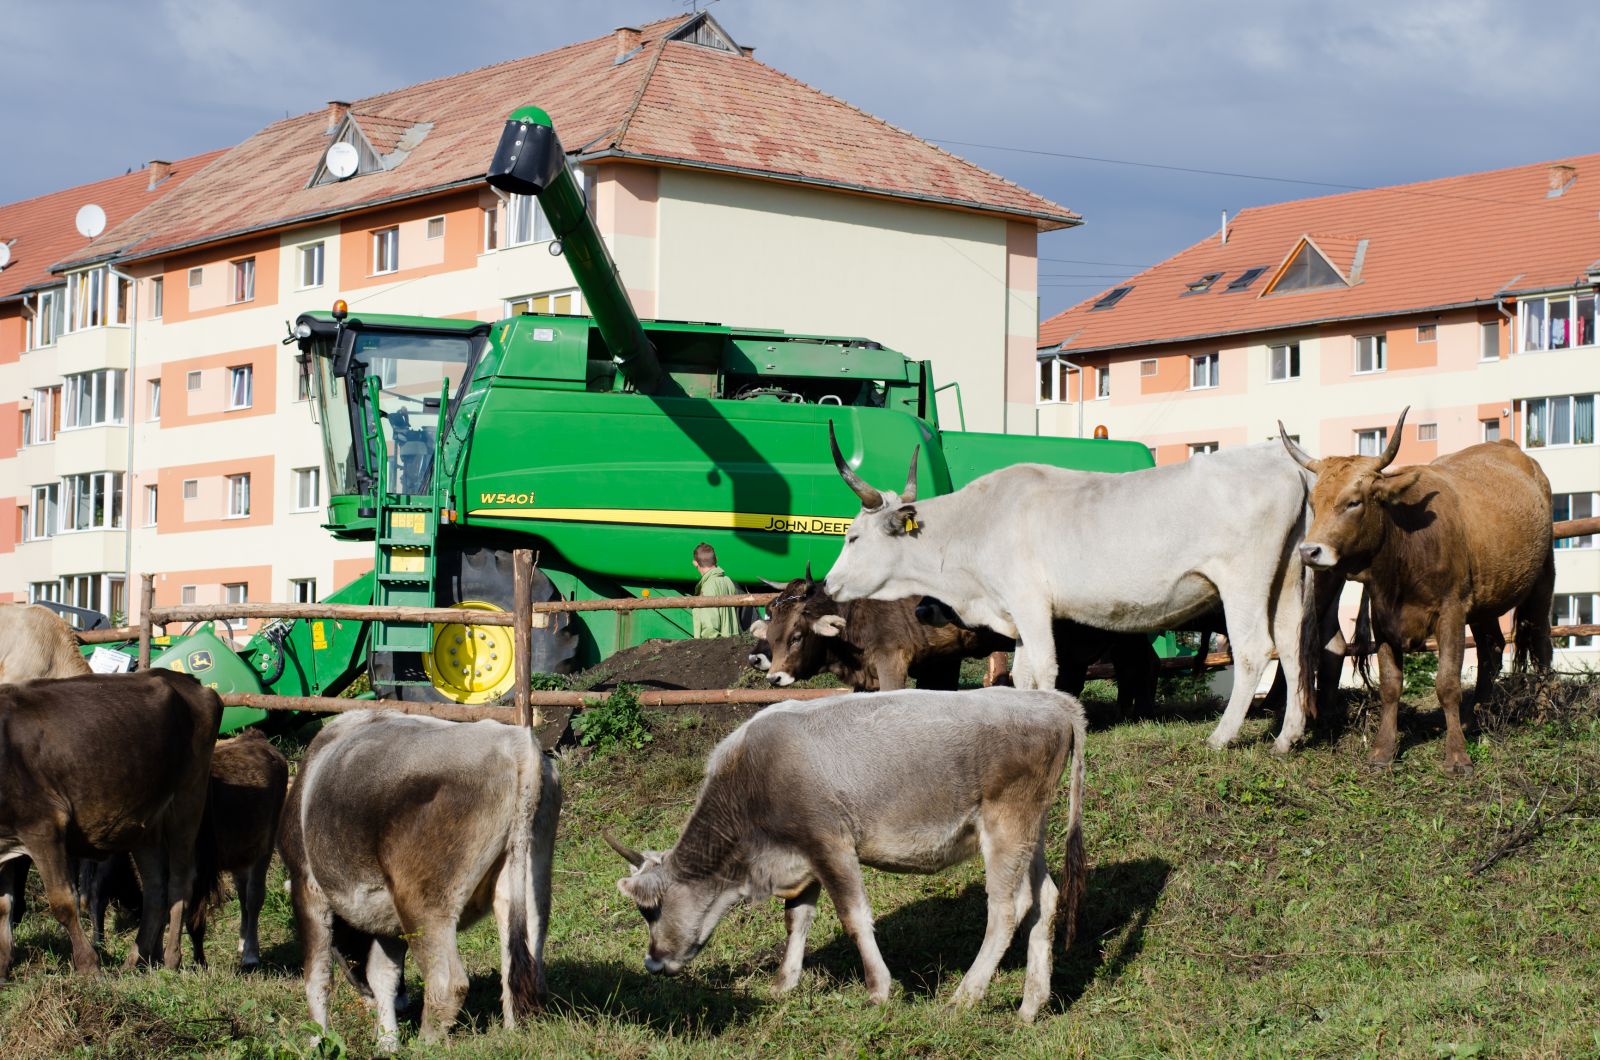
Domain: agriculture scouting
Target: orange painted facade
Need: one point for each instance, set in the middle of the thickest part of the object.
(457, 248)
(207, 510)
(216, 280)
(209, 402)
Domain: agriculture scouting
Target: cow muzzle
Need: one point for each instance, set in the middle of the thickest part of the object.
(781, 678)
(1318, 556)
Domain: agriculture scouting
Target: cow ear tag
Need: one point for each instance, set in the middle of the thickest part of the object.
(908, 520)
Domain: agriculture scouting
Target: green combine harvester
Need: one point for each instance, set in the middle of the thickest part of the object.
(608, 445)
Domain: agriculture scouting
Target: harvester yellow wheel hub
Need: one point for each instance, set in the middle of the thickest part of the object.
(471, 664)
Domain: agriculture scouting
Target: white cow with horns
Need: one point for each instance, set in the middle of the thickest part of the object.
(1134, 552)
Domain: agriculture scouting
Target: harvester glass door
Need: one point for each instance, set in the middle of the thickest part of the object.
(409, 368)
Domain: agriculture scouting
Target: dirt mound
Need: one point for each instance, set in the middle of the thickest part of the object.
(669, 664)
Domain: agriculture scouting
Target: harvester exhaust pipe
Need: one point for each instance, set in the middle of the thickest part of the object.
(529, 160)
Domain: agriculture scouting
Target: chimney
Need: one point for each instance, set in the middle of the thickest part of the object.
(337, 109)
(159, 170)
(747, 50)
(1561, 176)
(628, 38)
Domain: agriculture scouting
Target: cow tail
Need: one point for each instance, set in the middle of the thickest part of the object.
(206, 892)
(1075, 867)
(526, 985)
(1366, 647)
(1310, 646)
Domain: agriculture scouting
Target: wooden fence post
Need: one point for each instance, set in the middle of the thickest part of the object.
(522, 635)
(147, 604)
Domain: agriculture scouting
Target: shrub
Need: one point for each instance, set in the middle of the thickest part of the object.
(618, 723)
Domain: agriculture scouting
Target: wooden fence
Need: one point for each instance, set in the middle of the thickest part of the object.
(520, 620)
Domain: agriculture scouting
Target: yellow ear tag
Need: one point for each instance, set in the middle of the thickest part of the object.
(911, 524)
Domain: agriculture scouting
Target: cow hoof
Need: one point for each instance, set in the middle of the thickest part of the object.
(1027, 1015)
(1217, 743)
(1461, 767)
(246, 967)
(1281, 746)
(1379, 763)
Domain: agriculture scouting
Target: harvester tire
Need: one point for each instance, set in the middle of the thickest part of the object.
(480, 574)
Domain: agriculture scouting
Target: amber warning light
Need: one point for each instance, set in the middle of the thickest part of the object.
(341, 309)
(1101, 432)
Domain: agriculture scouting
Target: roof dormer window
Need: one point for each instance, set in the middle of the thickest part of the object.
(1110, 298)
(1203, 284)
(380, 143)
(1306, 269)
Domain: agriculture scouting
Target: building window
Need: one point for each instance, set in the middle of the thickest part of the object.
(311, 265)
(39, 592)
(1427, 333)
(1047, 376)
(193, 381)
(155, 399)
(385, 250)
(1427, 432)
(42, 513)
(1574, 609)
(560, 302)
(491, 228)
(48, 320)
(302, 590)
(238, 496)
(1204, 371)
(189, 594)
(1102, 381)
(526, 222)
(158, 294)
(150, 506)
(1557, 322)
(1565, 506)
(435, 228)
(244, 280)
(235, 593)
(1491, 430)
(1202, 284)
(46, 416)
(307, 488)
(121, 302)
(1283, 362)
(1566, 420)
(1372, 353)
(1371, 443)
(196, 275)
(92, 502)
(1149, 368)
(241, 386)
(191, 488)
(1201, 448)
(86, 299)
(93, 399)
(302, 380)
(1489, 341)
(1110, 298)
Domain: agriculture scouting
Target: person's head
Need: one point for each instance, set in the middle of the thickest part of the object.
(705, 557)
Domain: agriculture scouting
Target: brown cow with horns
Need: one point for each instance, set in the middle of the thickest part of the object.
(1439, 547)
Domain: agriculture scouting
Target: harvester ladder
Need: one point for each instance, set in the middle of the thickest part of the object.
(407, 532)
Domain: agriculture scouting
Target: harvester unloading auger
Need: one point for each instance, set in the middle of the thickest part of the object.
(608, 445)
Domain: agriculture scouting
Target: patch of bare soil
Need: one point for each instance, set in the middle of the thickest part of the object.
(674, 664)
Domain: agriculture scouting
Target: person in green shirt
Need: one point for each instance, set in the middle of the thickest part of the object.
(713, 621)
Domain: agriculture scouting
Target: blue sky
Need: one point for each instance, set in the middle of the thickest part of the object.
(1356, 93)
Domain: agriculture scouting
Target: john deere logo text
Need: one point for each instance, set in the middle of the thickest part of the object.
(805, 524)
(505, 498)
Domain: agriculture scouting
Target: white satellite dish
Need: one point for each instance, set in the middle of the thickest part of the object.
(342, 160)
(5, 255)
(91, 221)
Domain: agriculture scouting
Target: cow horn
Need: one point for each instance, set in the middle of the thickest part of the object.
(1392, 450)
(780, 586)
(910, 493)
(870, 498)
(1310, 463)
(630, 855)
(809, 578)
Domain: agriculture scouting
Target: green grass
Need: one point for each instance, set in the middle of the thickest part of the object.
(1239, 904)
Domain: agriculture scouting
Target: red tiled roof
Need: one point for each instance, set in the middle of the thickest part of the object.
(672, 102)
(383, 132)
(1457, 241)
(43, 230)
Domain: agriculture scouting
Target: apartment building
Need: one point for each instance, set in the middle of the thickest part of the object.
(64, 346)
(726, 190)
(1471, 299)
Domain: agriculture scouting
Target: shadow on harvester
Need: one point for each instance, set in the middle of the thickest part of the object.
(933, 940)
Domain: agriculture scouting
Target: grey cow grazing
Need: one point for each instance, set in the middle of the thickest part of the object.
(1135, 552)
(402, 829)
(803, 794)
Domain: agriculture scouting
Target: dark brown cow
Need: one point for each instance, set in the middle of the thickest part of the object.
(93, 765)
(249, 779)
(1439, 547)
(870, 645)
